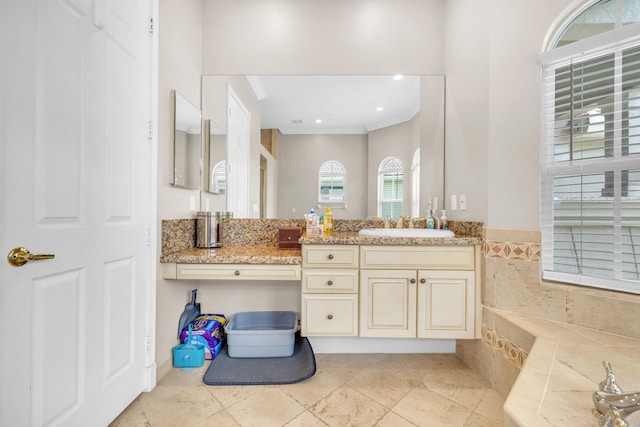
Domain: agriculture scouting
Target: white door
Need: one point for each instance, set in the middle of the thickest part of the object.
(238, 131)
(76, 177)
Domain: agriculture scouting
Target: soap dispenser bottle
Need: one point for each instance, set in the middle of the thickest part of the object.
(430, 221)
(328, 222)
(443, 220)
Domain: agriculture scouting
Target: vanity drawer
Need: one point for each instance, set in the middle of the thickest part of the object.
(329, 315)
(236, 272)
(419, 257)
(330, 281)
(330, 256)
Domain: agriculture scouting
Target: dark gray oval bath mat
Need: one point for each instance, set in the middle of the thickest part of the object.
(225, 370)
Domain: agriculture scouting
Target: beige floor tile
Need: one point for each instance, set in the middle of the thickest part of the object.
(391, 419)
(379, 385)
(219, 419)
(394, 390)
(230, 395)
(477, 420)
(348, 407)
(312, 390)
(133, 416)
(426, 408)
(306, 419)
(459, 385)
(491, 406)
(266, 407)
(172, 405)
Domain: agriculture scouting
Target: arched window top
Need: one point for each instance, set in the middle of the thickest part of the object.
(596, 17)
(332, 168)
(219, 168)
(332, 182)
(390, 165)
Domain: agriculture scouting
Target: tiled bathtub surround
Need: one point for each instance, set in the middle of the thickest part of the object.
(563, 333)
(512, 282)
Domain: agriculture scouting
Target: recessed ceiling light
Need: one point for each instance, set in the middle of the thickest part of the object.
(318, 121)
(379, 108)
(398, 77)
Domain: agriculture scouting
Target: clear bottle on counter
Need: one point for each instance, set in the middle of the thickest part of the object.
(430, 221)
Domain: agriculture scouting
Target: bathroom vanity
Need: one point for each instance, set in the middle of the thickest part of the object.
(354, 285)
(390, 291)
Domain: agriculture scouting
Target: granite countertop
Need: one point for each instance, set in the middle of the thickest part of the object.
(229, 254)
(269, 254)
(353, 238)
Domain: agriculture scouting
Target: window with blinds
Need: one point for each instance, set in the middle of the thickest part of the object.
(332, 178)
(415, 184)
(590, 165)
(391, 188)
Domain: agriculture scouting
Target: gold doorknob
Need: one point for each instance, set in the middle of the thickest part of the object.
(20, 256)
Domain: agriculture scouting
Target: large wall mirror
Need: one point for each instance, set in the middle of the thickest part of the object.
(187, 143)
(348, 105)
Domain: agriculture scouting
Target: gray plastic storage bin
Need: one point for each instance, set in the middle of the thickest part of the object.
(261, 334)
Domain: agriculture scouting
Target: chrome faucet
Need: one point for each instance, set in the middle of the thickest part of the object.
(611, 404)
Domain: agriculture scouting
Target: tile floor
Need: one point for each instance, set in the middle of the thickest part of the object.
(347, 390)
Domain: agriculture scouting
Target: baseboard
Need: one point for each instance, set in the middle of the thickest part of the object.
(380, 345)
(150, 377)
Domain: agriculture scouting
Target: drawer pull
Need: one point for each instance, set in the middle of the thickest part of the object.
(423, 280)
(330, 256)
(237, 273)
(330, 282)
(413, 280)
(330, 316)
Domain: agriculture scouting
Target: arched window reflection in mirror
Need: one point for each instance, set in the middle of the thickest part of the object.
(219, 177)
(332, 182)
(415, 184)
(390, 187)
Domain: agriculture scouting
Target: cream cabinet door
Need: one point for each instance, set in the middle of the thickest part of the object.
(446, 304)
(388, 303)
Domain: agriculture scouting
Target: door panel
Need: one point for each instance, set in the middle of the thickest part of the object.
(446, 304)
(75, 149)
(388, 303)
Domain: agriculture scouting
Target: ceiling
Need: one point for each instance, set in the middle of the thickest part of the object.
(345, 104)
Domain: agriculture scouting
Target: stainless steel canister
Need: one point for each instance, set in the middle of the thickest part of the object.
(209, 228)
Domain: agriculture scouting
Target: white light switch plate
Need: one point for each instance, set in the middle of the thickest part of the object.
(454, 202)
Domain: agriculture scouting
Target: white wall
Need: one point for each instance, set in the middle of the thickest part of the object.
(299, 160)
(179, 61)
(323, 37)
(493, 107)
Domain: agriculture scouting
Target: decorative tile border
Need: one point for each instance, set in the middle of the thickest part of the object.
(502, 346)
(511, 250)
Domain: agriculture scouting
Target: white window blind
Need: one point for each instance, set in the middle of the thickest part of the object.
(415, 184)
(391, 188)
(590, 168)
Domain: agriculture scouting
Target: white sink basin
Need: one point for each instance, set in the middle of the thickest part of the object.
(406, 232)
